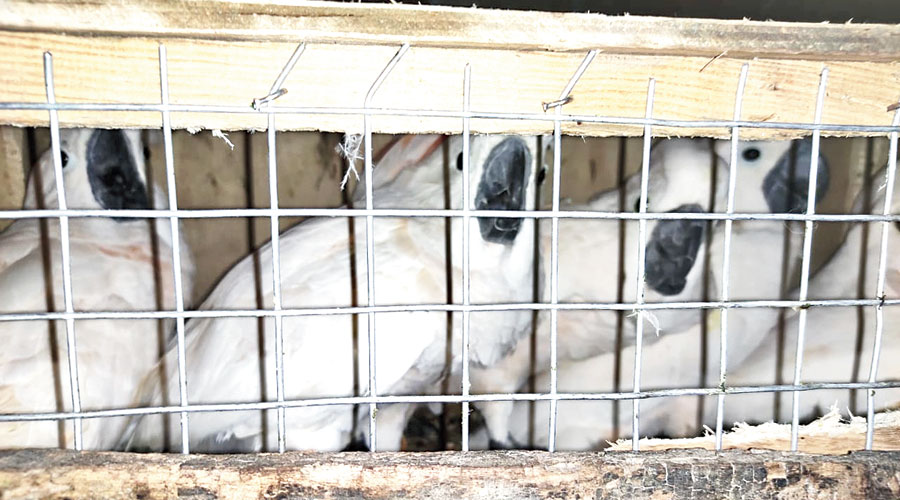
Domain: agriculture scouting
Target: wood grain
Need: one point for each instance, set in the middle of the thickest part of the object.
(207, 72)
(13, 169)
(657, 475)
(426, 26)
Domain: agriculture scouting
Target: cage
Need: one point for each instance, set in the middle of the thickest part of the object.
(587, 99)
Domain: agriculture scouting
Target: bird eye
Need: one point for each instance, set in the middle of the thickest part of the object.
(637, 204)
(542, 174)
(751, 154)
(459, 162)
(64, 157)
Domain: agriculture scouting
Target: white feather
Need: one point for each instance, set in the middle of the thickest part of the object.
(681, 173)
(112, 270)
(832, 333)
(223, 358)
(674, 360)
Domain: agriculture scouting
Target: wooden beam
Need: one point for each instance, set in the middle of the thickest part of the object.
(425, 26)
(658, 475)
(206, 72)
(13, 169)
(229, 52)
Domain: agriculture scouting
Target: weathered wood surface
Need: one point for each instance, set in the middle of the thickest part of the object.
(228, 53)
(657, 475)
(331, 22)
(13, 167)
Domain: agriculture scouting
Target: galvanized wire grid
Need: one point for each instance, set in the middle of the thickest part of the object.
(278, 312)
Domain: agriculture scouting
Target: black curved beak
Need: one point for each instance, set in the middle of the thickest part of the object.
(786, 186)
(114, 178)
(672, 251)
(502, 187)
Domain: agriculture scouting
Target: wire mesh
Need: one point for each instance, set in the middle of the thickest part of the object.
(176, 248)
(726, 254)
(466, 277)
(274, 93)
(806, 261)
(278, 312)
(554, 238)
(891, 177)
(641, 274)
(71, 349)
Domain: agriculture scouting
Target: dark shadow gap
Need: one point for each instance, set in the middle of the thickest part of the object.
(49, 284)
(620, 289)
(164, 328)
(252, 236)
(862, 273)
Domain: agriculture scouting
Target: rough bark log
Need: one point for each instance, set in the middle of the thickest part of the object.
(511, 474)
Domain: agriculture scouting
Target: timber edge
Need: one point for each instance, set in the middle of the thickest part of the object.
(494, 474)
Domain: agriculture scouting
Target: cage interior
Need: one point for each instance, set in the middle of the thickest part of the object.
(544, 291)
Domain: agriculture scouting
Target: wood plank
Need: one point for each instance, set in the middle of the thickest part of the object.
(210, 174)
(207, 72)
(658, 475)
(426, 26)
(13, 169)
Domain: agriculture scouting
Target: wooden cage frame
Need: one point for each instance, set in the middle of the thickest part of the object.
(241, 45)
(519, 61)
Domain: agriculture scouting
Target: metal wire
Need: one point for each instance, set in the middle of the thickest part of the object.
(276, 281)
(564, 98)
(65, 258)
(554, 283)
(444, 399)
(515, 306)
(726, 254)
(275, 92)
(415, 212)
(641, 279)
(879, 287)
(425, 113)
(807, 257)
(265, 105)
(370, 234)
(176, 247)
(466, 284)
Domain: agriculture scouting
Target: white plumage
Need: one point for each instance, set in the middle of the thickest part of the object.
(223, 358)
(674, 360)
(833, 333)
(680, 180)
(112, 265)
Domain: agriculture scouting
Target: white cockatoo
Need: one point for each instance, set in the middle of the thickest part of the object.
(397, 176)
(681, 177)
(410, 265)
(113, 268)
(839, 340)
(771, 176)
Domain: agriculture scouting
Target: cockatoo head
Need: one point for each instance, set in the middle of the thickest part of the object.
(778, 173)
(425, 171)
(505, 172)
(102, 169)
(681, 176)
